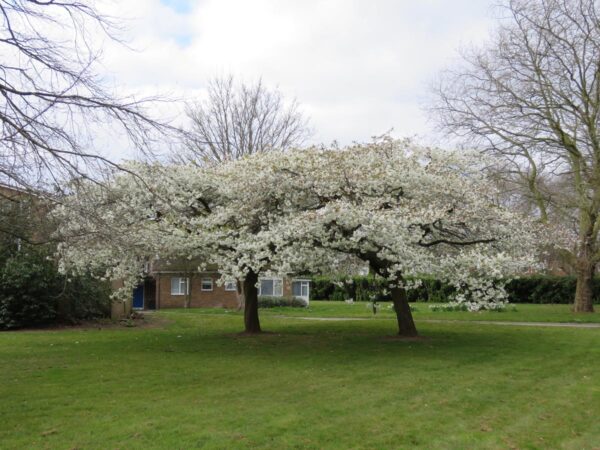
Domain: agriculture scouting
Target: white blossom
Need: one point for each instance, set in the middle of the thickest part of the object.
(409, 210)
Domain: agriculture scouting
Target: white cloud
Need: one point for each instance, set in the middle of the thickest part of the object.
(358, 67)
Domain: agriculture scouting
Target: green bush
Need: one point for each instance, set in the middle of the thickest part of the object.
(321, 287)
(28, 289)
(84, 298)
(370, 288)
(538, 289)
(432, 290)
(33, 293)
(359, 288)
(546, 289)
(273, 302)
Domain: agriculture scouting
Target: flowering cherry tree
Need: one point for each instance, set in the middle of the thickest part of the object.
(115, 230)
(403, 209)
(215, 214)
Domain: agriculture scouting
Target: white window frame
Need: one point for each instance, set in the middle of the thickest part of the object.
(304, 286)
(273, 280)
(304, 283)
(202, 284)
(230, 285)
(181, 281)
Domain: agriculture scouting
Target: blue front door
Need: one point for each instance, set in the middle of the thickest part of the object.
(138, 297)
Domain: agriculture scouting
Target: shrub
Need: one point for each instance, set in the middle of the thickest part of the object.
(288, 301)
(84, 298)
(546, 289)
(322, 288)
(33, 293)
(28, 290)
(370, 288)
(527, 289)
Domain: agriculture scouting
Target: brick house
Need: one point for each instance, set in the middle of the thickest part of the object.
(167, 285)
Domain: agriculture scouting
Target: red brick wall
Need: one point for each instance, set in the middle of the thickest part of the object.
(217, 298)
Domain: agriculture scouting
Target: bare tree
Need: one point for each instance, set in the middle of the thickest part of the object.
(236, 120)
(53, 103)
(241, 119)
(515, 192)
(531, 96)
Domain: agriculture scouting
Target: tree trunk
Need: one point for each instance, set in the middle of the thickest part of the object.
(406, 324)
(251, 322)
(584, 297)
(585, 267)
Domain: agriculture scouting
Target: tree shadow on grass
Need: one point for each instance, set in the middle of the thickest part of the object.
(340, 343)
(371, 340)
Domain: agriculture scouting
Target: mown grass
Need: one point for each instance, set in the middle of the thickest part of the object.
(194, 383)
(422, 311)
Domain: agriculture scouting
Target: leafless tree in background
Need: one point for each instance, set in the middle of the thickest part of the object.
(531, 96)
(53, 103)
(238, 119)
(515, 192)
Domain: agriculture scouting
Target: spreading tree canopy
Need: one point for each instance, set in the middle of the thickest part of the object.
(404, 209)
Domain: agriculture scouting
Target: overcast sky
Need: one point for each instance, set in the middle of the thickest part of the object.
(358, 68)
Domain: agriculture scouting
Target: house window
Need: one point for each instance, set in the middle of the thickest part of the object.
(231, 286)
(179, 286)
(271, 287)
(207, 284)
(300, 288)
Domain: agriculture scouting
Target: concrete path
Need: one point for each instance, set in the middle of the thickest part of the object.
(519, 324)
(478, 322)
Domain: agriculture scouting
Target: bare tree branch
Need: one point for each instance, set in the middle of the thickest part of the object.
(531, 97)
(240, 119)
(53, 103)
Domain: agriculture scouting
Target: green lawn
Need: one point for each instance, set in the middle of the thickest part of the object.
(514, 313)
(193, 383)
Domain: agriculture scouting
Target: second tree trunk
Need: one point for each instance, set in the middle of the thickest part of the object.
(251, 321)
(584, 294)
(406, 324)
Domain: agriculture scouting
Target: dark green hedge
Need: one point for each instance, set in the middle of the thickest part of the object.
(546, 289)
(367, 288)
(33, 293)
(531, 289)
